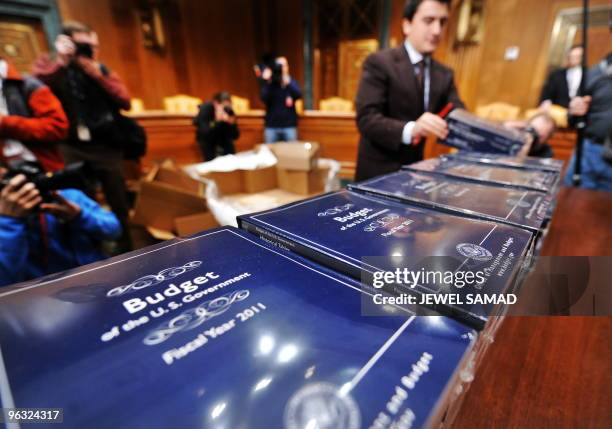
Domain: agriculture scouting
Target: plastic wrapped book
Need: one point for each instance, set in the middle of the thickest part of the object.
(221, 330)
(361, 235)
(532, 180)
(470, 133)
(527, 209)
(527, 163)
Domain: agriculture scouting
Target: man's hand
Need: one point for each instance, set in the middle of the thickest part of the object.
(579, 106)
(524, 152)
(65, 48)
(286, 77)
(89, 66)
(515, 125)
(284, 65)
(429, 124)
(19, 197)
(220, 114)
(61, 208)
(266, 74)
(545, 105)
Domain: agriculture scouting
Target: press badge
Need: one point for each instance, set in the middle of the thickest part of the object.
(83, 133)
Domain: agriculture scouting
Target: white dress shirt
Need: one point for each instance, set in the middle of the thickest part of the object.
(573, 76)
(416, 57)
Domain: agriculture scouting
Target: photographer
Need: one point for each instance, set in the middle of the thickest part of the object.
(596, 107)
(31, 119)
(41, 237)
(216, 127)
(279, 91)
(91, 95)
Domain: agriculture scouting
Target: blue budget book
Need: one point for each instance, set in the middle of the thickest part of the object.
(471, 133)
(527, 209)
(527, 163)
(220, 330)
(531, 180)
(360, 235)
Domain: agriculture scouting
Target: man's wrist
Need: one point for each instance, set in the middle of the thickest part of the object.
(63, 60)
(407, 133)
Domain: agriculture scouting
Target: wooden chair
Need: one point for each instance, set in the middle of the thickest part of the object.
(299, 106)
(336, 104)
(182, 104)
(136, 106)
(557, 113)
(240, 105)
(498, 111)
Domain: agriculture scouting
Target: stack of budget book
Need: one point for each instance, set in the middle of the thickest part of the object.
(275, 324)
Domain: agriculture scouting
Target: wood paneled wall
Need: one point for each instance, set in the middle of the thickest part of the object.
(213, 45)
(210, 45)
(482, 74)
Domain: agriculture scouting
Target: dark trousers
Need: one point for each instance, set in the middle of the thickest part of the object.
(106, 166)
(212, 148)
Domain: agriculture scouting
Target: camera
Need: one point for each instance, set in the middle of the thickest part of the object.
(277, 72)
(83, 50)
(229, 110)
(269, 62)
(73, 176)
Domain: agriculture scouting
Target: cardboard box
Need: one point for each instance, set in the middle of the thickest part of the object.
(244, 181)
(296, 156)
(187, 225)
(259, 180)
(228, 182)
(265, 200)
(158, 204)
(141, 237)
(180, 180)
(302, 182)
(169, 173)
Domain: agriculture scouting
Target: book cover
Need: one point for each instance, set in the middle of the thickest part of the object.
(470, 133)
(219, 330)
(533, 180)
(527, 209)
(527, 163)
(361, 235)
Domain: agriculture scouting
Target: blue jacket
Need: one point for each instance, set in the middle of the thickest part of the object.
(24, 255)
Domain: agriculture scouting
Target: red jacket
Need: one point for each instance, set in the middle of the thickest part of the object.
(41, 125)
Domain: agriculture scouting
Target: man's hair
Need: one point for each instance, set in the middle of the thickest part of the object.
(71, 27)
(411, 6)
(222, 96)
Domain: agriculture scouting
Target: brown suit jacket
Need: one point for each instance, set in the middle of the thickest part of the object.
(388, 98)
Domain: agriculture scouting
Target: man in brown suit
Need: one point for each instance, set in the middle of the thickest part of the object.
(400, 92)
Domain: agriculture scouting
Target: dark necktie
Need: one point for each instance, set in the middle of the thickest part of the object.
(419, 71)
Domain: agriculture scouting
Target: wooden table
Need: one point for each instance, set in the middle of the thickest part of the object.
(552, 372)
(172, 135)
